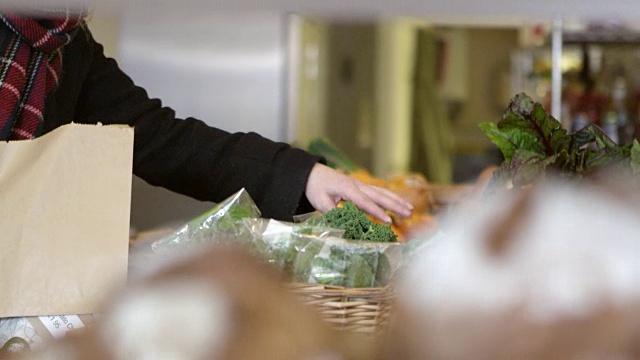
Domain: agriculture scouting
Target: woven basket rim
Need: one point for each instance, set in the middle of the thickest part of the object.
(327, 291)
(300, 285)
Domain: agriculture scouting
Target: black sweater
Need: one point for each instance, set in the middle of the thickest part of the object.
(183, 155)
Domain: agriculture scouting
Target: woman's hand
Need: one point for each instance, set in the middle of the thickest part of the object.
(326, 187)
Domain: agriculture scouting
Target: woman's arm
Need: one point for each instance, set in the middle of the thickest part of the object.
(186, 155)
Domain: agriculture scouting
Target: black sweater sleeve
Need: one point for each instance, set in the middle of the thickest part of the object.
(186, 155)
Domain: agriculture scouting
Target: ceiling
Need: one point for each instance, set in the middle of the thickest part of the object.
(476, 12)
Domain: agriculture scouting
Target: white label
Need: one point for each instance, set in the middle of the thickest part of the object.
(58, 326)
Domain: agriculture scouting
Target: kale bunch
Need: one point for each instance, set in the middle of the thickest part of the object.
(356, 225)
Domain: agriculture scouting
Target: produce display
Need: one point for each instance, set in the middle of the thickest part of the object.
(358, 258)
(342, 247)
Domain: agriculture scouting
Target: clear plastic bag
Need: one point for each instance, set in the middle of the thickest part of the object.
(280, 243)
(308, 251)
(234, 221)
(317, 254)
(231, 221)
(347, 263)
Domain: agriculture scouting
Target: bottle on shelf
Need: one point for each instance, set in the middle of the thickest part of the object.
(620, 102)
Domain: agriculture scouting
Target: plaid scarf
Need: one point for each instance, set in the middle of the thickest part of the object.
(30, 64)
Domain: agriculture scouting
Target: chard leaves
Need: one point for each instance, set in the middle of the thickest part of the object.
(635, 157)
(525, 116)
(534, 143)
(509, 140)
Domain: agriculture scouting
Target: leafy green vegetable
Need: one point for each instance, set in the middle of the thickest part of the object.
(222, 224)
(360, 272)
(334, 157)
(279, 250)
(534, 143)
(341, 261)
(336, 263)
(635, 157)
(356, 225)
(230, 218)
(307, 250)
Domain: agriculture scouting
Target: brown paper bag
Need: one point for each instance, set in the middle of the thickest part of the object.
(64, 219)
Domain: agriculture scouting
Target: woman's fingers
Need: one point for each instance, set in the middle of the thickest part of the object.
(376, 201)
(359, 197)
(326, 187)
(389, 200)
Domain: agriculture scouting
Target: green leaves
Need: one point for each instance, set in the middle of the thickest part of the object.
(635, 157)
(510, 139)
(356, 225)
(534, 143)
(526, 126)
(333, 262)
(527, 166)
(334, 157)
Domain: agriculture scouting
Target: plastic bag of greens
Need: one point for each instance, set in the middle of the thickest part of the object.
(279, 244)
(367, 254)
(233, 221)
(347, 263)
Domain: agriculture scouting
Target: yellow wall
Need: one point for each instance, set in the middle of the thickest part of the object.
(394, 83)
(311, 82)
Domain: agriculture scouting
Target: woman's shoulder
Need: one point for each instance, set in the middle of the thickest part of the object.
(82, 40)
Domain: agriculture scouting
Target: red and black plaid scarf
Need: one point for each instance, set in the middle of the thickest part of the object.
(30, 63)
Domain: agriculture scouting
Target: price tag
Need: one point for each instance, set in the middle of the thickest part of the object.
(58, 326)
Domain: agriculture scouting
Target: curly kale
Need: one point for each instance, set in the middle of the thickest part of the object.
(357, 226)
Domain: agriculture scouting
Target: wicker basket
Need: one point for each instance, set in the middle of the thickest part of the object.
(358, 310)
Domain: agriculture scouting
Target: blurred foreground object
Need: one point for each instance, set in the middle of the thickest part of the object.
(549, 272)
(218, 303)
